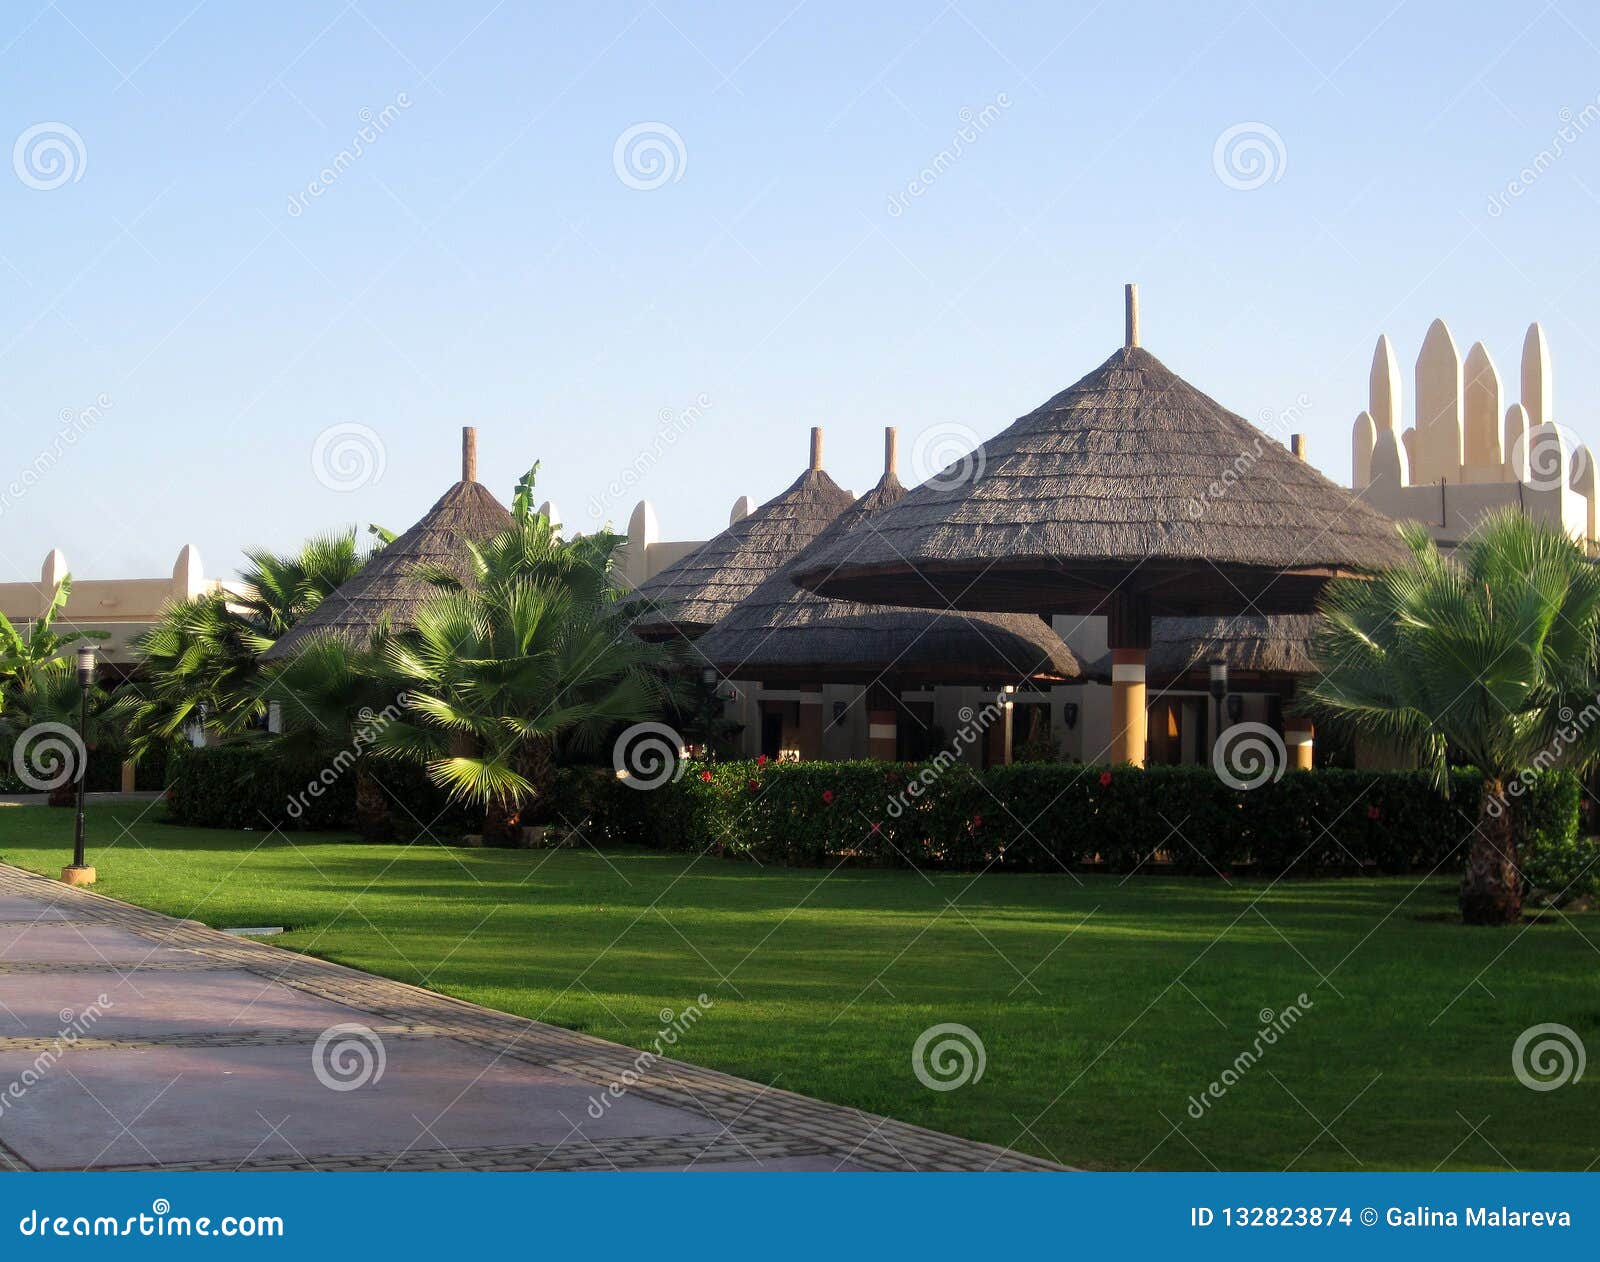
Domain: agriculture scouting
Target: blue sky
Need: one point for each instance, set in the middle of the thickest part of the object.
(483, 262)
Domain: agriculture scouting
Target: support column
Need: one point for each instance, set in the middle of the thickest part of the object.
(883, 724)
(808, 725)
(1129, 719)
(1128, 635)
(1299, 736)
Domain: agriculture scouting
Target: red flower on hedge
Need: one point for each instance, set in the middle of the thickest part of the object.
(706, 776)
(753, 785)
(977, 821)
(761, 760)
(1374, 813)
(1105, 779)
(827, 797)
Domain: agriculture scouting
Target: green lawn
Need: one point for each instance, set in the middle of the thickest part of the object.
(1102, 1005)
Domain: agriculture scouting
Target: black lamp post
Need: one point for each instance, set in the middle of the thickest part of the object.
(80, 873)
(1219, 690)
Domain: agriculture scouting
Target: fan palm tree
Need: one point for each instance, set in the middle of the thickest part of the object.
(1488, 654)
(335, 700)
(533, 651)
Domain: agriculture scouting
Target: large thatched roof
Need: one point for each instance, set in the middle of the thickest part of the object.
(387, 585)
(783, 632)
(1130, 481)
(696, 592)
(1275, 648)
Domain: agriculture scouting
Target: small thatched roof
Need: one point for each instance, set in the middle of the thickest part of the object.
(696, 592)
(1275, 648)
(780, 632)
(387, 585)
(1130, 481)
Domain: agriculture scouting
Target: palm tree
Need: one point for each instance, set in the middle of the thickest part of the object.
(201, 661)
(1489, 654)
(335, 700)
(532, 652)
(19, 653)
(279, 589)
(48, 694)
(200, 665)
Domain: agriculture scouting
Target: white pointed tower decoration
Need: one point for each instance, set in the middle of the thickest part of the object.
(1481, 458)
(1470, 450)
(1438, 446)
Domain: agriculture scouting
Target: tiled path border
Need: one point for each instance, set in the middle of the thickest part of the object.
(758, 1122)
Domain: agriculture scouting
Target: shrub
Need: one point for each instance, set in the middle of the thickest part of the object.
(1560, 863)
(1050, 817)
(1028, 817)
(245, 786)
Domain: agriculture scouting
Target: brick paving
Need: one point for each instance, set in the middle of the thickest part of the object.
(133, 1041)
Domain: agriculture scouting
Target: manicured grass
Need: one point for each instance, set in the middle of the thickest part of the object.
(1103, 1006)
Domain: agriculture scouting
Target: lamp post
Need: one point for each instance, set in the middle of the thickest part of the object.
(1219, 690)
(80, 873)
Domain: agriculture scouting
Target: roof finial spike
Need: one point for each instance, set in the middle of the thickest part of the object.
(469, 454)
(891, 449)
(816, 446)
(1130, 336)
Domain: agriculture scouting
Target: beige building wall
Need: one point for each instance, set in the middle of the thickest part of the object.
(123, 608)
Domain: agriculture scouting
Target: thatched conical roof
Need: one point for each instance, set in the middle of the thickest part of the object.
(695, 593)
(387, 586)
(783, 632)
(1253, 647)
(1130, 481)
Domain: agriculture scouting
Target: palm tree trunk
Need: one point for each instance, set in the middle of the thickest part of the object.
(374, 822)
(502, 822)
(539, 765)
(1491, 890)
(535, 762)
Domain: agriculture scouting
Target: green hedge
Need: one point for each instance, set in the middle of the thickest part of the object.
(1560, 864)
(1046, 817)
(243, 786)
(104, 770)
(1038, 817)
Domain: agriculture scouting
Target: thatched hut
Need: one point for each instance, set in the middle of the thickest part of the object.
(784, 634)
(695, 593)
(387, 586)
(1129, 494)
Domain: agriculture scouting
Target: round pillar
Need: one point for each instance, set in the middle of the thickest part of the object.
(1128, 637)
(1300, 737)
(1129, 719)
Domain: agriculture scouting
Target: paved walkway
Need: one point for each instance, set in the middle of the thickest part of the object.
(129, 1040)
